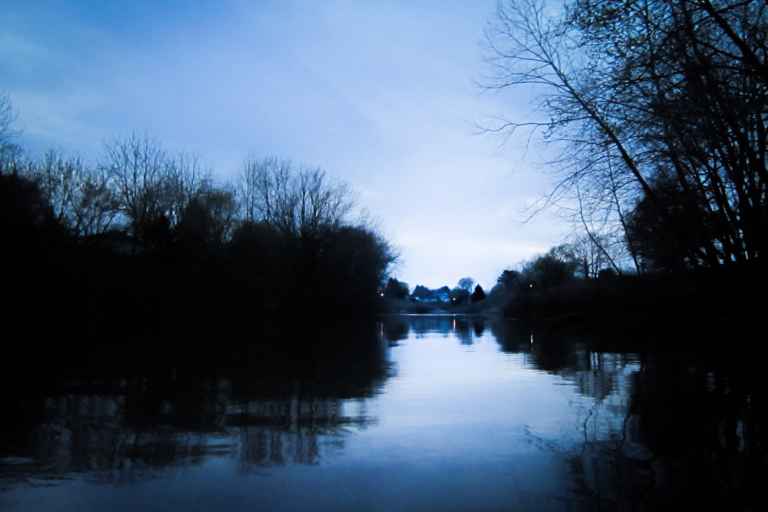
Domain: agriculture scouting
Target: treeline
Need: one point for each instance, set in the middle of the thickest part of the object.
(558, 286)
(146, 242)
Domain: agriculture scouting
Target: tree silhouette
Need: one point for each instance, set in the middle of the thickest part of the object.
(639, 91)
(466, 283)
(478, 295)
(396, 289)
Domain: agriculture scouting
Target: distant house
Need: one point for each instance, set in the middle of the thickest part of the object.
(424, 294)
(443, 294)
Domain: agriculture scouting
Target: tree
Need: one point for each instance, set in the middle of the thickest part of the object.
(151, 187)
(528, 46)
(478, 295)
(509, 279)
(80, 196)
(650, 224)
(466, 283)
(549, 270)
(589, 255)
(208, 218)
(136, 168)
(642, 89)
(396, 289)
(509, 283)
(33, 243)
(262, 263)
(26, 218)
(297, 200)
(9, 151)
(459, 295)
(350, 268)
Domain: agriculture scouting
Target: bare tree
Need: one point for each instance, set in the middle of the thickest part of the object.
(9, 151)
(320, 202)
(296, 200)
(136, 167)
(185, 178)
(649, 88)
(263, 188)
(79, 195)
(151, 186)
(591, 254)
(531, 44)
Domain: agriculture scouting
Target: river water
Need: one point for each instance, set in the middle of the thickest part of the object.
(412, 413)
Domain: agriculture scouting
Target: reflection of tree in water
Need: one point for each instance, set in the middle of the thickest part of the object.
(284, 405)
(93, 434)
(608, 462)
(466, 329)
(659, 430)
(704, 420)
(462, 330)
(395, 329)
(422, 325)
(512, 336)
(293, 431)
(478, 326)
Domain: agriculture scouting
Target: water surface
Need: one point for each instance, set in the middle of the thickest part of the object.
(413, 413)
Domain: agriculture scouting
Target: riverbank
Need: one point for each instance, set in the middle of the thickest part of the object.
(724, 290)
(725, 301)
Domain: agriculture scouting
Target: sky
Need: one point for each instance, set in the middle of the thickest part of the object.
(381, 94)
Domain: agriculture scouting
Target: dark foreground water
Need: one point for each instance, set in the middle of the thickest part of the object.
(414, 413)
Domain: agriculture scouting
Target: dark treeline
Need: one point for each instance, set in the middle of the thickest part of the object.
(556, 286)
(143, 241)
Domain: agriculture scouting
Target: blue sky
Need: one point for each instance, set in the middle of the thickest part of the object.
(381, 94)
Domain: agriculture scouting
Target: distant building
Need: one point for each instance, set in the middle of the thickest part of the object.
(424, 294)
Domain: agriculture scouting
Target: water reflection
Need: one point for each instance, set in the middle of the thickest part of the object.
(464, 328)
(274, 408)
(99, 433)
(660, 429)
(454, 413)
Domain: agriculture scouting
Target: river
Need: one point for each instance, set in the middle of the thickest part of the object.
(414, 413)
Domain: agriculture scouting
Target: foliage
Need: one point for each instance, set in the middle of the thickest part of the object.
(149, 238)
(549, 270)
(466, 283)
(478, 295)
(459, 295)
(396, 289)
